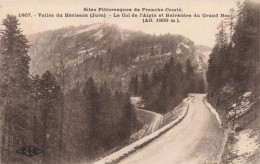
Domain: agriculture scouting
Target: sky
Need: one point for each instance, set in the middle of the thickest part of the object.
(200, 30)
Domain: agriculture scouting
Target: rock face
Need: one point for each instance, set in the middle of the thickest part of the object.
(108, 53)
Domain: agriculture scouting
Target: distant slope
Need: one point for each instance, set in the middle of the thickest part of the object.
(106, 53)
(73, 44)
(203, 48)
(202, 57)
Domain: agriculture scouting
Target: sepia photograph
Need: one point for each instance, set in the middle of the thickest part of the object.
(129, 82)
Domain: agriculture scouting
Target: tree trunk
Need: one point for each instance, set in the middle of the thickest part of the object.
(62, 112)
(44, 118)
(34, 124)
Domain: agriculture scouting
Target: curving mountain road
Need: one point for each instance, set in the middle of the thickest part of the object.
(197, 139)
(151, 120)
(156, 122)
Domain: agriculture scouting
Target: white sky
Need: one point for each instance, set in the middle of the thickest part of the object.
(200, 30)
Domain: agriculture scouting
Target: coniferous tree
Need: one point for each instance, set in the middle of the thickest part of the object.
(221, 36)
(127, 119)
(190, 76)
(49, 105)
(107, 113)
(152, 51)
(172, 78)
(62, 76)
(14, 84)
(237, 62)
(134, 85)
(163, 49)
(145, 85)
(163, 97)
(118, 102)
(168, 86)
(36, 97)
(180, 81)
(93, 112)
(230, 21)
(245, 41)
(75, 126)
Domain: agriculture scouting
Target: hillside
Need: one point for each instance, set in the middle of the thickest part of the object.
(233, 79)
(75, 44)
(107, 53)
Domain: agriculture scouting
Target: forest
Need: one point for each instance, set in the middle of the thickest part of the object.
(78, 124)
(233, 80)
(165, 88)
(234, 61)
(81, 123)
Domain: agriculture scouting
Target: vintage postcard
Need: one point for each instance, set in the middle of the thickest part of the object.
(129, 82)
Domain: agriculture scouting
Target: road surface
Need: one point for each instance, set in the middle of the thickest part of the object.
(156, 122)
(197, 139)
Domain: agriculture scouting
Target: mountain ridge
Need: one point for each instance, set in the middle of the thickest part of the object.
(119, 52)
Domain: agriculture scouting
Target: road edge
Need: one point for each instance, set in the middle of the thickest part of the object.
(212, 110)
(226, 131)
